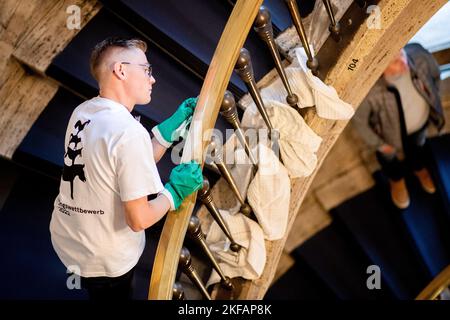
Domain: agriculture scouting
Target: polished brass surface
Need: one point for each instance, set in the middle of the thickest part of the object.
(211, 167)
(263, 27)
(440, 283)
(312, 62)
(246, 210)
(196, 234)
(245, 71)
(178, 292)
(334, 27)
(185, 263)
(229, 111)
(205, 197)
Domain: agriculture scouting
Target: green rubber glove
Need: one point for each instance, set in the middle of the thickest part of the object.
(170, 129)
(185, 179)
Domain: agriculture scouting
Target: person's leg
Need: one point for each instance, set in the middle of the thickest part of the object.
(393, 168)
(391, 165)
(417, 159)
(123, 287)
(97, 287)
(106, 288)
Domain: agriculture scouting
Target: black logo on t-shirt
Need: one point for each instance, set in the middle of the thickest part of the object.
(74, 170)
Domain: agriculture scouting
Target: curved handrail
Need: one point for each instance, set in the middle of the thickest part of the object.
(436, 286)
(205, 115)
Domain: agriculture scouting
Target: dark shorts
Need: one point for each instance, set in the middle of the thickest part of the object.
(107, 288)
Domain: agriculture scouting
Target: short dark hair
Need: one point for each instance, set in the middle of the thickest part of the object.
(100, 48)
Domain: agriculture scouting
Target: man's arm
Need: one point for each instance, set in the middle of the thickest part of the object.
(141, 214)
(158, 150)
(185, 179)
(361, 123)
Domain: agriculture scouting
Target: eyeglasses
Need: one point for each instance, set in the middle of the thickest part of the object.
(148, 67)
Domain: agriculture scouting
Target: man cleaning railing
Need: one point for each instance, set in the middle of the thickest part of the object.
(102, 210)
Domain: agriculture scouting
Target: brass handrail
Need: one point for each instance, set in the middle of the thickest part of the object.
(204, 118)
(436, 286)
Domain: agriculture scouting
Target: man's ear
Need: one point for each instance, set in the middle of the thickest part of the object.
(118, 70)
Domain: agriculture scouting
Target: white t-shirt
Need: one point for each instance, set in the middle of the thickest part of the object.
(108, 160)
(415, 108)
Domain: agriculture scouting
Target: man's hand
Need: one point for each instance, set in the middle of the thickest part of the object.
(185, 179)
(171, 129)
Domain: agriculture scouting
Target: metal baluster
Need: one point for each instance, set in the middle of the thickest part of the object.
(334, 27)
(204, 195)
(177, 291)
(195, 233)
(217, 155)
(263, 26)
(229, 111)
(211, 167)
(245, 71)
(312, 62)
(185, 264)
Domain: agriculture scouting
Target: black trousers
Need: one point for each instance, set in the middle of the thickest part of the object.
(415, 156)
(106, 288)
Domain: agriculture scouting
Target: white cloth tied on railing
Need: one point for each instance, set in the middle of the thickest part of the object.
(299, 85)
(249, 262)
(269, 194)
(327, 101)
(310, 90)
(241, 169)
(269, 191)
(298, 142)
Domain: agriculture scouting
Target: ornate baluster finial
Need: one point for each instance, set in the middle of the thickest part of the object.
(245, 71)
(185, 264)
(177, 291)
(229, 111)
(263, 26)
(334, 27)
